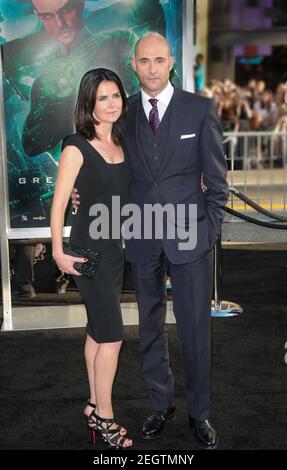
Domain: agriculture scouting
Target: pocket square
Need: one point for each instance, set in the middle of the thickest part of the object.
(187, 136)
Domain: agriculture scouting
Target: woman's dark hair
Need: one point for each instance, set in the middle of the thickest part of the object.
(84, 119)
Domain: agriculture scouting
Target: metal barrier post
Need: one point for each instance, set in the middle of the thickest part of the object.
(219, 307)
(5, 221)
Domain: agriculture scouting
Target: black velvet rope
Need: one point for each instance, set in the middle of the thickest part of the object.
(255, 221)
(255, 206)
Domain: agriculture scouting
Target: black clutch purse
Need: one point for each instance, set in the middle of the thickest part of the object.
(87, 269)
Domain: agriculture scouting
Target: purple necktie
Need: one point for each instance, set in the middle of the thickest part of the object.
(153, 115)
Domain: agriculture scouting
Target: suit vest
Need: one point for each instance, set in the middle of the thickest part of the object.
(153, 145)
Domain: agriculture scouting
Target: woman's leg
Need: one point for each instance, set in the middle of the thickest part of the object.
(106, 362)
(91, 348)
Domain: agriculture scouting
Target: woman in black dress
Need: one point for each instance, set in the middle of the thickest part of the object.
(94, 162)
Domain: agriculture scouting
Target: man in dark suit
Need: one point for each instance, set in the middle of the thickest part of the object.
(173, 138)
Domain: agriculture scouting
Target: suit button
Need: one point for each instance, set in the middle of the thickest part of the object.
(156, 158)
(155, 183)
(155, 144)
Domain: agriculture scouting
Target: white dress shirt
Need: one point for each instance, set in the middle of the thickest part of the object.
(163, 98)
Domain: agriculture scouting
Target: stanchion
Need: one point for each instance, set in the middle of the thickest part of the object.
(219, 307)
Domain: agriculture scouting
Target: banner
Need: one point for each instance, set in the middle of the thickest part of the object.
(46, 47)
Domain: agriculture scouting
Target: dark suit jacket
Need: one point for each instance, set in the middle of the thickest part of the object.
(179, 175)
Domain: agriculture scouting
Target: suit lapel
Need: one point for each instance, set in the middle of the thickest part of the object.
(133, 137)
(177, 115)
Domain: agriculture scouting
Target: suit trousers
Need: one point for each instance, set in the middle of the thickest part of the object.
(191, 293)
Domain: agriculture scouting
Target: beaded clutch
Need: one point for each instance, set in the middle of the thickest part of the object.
(88, 268)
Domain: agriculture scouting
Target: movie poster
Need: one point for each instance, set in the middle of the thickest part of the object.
(46, 47)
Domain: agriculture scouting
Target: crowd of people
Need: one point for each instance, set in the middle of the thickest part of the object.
(253, 107)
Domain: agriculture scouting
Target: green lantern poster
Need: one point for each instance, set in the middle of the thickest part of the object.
(46, 47)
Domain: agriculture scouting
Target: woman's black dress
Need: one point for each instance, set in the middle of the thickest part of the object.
(97, 182)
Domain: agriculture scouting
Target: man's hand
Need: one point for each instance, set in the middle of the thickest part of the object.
(75, 200)
(203, 187)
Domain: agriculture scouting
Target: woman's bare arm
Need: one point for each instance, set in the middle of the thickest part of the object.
(70, 163)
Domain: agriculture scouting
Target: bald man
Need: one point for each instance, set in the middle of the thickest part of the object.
(172, 138)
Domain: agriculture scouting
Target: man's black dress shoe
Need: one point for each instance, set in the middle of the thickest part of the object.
(204, 433)
(154, 424)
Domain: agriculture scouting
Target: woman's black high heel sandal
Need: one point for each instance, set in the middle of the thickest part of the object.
(92, 425)
(111, 436)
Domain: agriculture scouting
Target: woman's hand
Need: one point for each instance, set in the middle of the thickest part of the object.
(65, 263)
